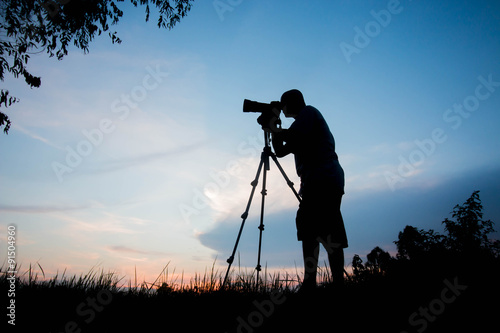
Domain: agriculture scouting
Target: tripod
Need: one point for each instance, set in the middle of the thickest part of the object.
(264, 164)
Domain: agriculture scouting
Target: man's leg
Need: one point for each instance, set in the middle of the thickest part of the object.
(336, 259)
(310, 251)
(336, 251)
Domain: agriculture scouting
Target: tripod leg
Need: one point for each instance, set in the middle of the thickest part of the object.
(261, 225)
(244, 217)
(288, 181)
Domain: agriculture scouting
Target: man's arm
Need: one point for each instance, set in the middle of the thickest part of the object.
(278, 140)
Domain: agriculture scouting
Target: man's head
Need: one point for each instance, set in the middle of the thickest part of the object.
(292, 102)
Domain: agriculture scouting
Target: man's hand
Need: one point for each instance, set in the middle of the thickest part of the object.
(277, 139)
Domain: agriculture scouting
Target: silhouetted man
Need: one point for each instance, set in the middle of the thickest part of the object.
(319, 219)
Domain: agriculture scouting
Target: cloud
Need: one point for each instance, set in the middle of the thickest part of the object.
(385, 148)
(139, 159)
(121, 248)
(37, 209)
(36, 136)
(228, 191)
(279, 248)
(372, 218)
(94, 222)
(126, 249)
(405, 145)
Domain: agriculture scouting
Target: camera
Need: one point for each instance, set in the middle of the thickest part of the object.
(270, 113)
(251, 106)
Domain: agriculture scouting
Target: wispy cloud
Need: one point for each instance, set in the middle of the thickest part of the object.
(102, 223)
(391, 148)
(36, 209)
(140, 159)
(36, 136)
(125, 249)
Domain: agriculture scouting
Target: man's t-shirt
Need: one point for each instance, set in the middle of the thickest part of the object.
(310, 140)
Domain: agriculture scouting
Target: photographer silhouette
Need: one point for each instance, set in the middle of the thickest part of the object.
(319, 219)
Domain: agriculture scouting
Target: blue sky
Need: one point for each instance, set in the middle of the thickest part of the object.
(165, 155)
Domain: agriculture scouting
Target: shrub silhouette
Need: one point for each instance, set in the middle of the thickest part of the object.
(469, 233)
(415, 244)
(422, 251)
(378, 261)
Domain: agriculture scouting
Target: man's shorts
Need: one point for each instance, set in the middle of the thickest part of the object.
(319, 216)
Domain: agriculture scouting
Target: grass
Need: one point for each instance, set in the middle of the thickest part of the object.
(103, 301)
(240, 280)
(50, 304)
(93, 280)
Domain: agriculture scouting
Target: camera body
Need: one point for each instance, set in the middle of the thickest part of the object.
(270, 114)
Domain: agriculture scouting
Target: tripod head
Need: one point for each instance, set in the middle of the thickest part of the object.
(270, 122)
